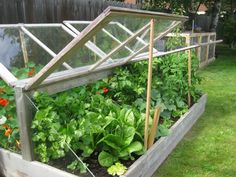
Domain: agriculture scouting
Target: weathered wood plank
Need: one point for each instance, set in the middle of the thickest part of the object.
(12, 165)
(24, 114)
(147, 164)
(51, 11)
(73, 82)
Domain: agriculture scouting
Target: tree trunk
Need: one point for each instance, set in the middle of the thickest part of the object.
(215, 15)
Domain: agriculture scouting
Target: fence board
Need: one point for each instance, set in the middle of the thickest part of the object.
(54, 11)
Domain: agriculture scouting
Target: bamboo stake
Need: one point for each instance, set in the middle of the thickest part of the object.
(149, 83)
(23, 48)
(154, 126)
(189, 77)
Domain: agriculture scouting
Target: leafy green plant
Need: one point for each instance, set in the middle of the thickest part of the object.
(106, 119)
(9, 130)
(117, 169)
(102, 126)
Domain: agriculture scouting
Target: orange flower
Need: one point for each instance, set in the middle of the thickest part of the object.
(4, 102)
(8, 132)
(31, 72)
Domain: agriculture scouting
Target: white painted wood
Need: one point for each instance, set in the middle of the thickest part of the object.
(6, 75)
(12, 165)
(68, 30)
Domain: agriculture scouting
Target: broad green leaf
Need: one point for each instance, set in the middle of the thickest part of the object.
(106, 159)
(133, 147)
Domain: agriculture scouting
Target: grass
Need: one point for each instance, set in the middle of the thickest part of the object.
(209, 149)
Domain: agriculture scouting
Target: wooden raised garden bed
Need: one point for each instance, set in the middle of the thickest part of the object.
(12, 165)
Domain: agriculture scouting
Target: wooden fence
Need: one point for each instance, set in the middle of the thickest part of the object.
(205, 54)
(52, 11)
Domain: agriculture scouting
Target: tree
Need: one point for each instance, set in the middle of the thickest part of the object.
(229, 29)
(186, 7)
(215, 15)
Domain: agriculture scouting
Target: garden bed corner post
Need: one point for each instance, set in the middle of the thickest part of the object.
(24, 115)
(149, 84)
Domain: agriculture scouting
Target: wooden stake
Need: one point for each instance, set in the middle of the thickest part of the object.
(23, 48)
(189, 78)
(154, 126)
(188, 52)
(149, 83)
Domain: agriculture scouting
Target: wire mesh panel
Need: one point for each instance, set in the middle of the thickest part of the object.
(211, 48)
(203, 49)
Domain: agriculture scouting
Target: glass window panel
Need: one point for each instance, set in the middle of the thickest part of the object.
(104, 42)
(11, 54)
(53, 37)
(79, 27)
(108, 36)
(82, 57)
(111, 35)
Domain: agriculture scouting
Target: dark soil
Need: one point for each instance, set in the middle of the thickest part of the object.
(94, 166)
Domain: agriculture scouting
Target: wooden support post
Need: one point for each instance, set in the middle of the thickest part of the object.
(149, 84)
(189, 77)
(199, 41)
(207, 49)
(23, 47)
(214, 46)
(24, 114)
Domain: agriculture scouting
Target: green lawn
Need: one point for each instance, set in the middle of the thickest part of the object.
(209, 149)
